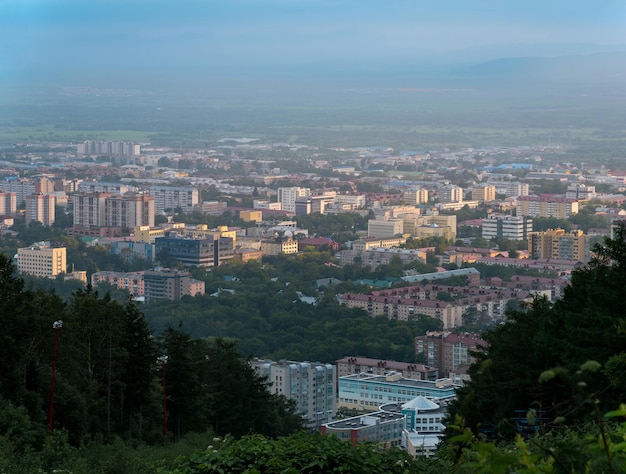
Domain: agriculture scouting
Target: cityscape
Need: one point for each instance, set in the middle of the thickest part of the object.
(312, 237)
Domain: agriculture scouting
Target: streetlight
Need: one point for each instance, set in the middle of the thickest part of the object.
(163, 362)
(57, 325)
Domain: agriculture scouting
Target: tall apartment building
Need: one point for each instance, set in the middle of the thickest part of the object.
(23, 187)
(415, 196)
(89, 209)
(516, 188)
(40, 208)
(108, 148)
(536, 206)
(483, 193)
(8, 203)
(448, 351)
(288, 196)
(311, 385)
(170, 285)
(558, 244)
(109, 210)
(42, 260)
(169, 197)
(450, 193)
(509, 227)
(102, 187)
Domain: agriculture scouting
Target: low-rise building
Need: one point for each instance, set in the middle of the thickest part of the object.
(366, 392)
(42, 260)
(365, 365)
(279, 245)
(130, 281)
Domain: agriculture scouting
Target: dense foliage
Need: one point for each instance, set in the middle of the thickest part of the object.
(107, 380)
(534, 360)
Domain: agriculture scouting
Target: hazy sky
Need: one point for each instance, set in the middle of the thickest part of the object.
(73, 35)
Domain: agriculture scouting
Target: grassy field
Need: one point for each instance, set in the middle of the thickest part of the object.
(53, 134)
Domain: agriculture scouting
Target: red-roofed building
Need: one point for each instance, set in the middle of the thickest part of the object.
(449, 351)
(318, 242)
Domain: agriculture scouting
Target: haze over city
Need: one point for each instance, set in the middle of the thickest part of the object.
(312, 236)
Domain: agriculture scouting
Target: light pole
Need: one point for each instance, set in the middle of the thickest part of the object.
(57, 325)
(163, 362)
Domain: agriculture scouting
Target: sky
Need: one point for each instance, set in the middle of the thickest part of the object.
(214, 36)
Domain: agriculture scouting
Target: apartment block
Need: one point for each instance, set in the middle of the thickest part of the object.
(415, 196)
(558, 244)
(40, 208)
(42, 260)
(8, 203)
(450, 193)
(509, 227)
(108, 148)
(109, 210)
(484, 193)
(130, 281)
(448, 351)
(170, 197)
(536, 206)
(102, 187)
(167, 284)
(288, 196)
(311, 385)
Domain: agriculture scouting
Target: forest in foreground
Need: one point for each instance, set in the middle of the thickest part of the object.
(546, 396)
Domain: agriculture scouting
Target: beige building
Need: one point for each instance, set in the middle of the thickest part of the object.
(170, 285)
(249, 216)
(385, 228)
(8, 203)
(369, 243)
(536, 206)
(558, 244)
(279, 245)
(42, 260)
(416, 196)
(40, 208)
(484, 193)
(450, 193)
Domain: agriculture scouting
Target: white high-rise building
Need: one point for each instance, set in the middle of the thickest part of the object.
(510, 227)
(311, 385)
(288, 196)
(170, 197)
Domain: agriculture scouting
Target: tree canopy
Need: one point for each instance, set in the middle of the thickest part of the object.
(556, 340)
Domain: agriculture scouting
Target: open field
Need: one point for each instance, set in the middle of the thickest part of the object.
(53, 134)
(343, 115)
